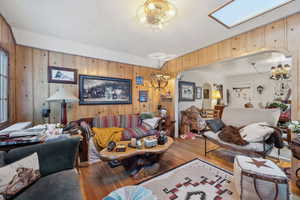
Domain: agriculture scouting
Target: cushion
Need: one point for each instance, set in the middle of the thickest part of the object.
(243, 116)
(138, 132)
(18, 176)
(107, 121)
(2, 162)
(146, 115)
(61, 185)
(256, 132)
(151, 123)
(215, 124)
(104, 135)
(129, 121)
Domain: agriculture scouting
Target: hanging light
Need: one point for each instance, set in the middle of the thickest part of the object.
(160, 80)
(156, 13)
(280, 72)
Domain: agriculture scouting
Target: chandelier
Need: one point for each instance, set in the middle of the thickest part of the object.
(280, 72)
(159, 80)
(156, 13)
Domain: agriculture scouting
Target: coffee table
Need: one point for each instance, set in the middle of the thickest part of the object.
(134, 158)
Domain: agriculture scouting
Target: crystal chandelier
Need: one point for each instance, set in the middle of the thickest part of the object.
(156, 13)
(280, 72)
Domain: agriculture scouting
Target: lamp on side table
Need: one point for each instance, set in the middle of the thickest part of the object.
(63, 96)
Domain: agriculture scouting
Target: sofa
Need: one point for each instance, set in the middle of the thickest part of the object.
(57, 161)
(239, 117)
(132, 124)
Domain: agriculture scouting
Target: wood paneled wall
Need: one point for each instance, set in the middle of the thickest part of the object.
(7, 42)
(33, 87)
(282, 35)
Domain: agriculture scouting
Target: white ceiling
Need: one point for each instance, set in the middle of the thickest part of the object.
(108, 29)
(260, 63)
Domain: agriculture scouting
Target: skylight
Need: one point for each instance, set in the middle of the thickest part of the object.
(239, 11)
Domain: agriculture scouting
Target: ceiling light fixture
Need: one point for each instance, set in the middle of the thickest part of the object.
(156, 13)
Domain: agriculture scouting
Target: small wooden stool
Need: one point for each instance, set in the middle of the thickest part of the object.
(257, 178)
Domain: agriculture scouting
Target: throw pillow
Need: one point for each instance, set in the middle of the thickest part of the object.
(146, 115)
(18, 176)
(215, 124)
(256, 132)
(151, 123)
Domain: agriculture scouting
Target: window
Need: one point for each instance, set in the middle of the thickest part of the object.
(3, 87)
(239, 11)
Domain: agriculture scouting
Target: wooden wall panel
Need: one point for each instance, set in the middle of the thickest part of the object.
(7, 42)
(281, 35)
(24, 90)
(34, 87)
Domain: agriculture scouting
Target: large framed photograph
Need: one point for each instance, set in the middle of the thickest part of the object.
(62, 75)
(96, 90)
(198, 92)
(186, 91)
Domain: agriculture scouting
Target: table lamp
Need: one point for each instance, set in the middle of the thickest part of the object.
(216, 95)
(63, 96)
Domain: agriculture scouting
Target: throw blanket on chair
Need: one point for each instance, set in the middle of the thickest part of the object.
(232, 135)
(104, 135)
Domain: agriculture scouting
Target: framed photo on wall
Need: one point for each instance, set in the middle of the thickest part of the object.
(198, 92)
(206, 94)
(143, 96)
(186, 91)
(97, 90)
(62, 75)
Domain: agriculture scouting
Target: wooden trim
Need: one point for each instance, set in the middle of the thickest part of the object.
(9, 27)
(8, 122)
(242, 22)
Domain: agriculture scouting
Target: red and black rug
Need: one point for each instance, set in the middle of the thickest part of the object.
(196, 179)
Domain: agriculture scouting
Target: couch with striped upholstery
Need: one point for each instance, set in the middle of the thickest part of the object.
(132, 125)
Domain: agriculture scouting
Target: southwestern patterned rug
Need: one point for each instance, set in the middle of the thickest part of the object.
(196, 179)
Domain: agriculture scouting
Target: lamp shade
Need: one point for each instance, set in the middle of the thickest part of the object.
(216, 94)
(63, 94)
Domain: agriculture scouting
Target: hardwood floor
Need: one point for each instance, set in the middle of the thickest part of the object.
(98, 180)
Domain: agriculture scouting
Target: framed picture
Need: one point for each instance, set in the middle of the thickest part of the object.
(62, 75)
(139, 80)
(143, 96)
(186, 91)
(96, 90)
(206, 94)
(198, 92)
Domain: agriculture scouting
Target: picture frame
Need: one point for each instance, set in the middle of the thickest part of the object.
(206, 93)
(139, 80)
(143, 96)
(62, 75)
(198, 92)
(98, 90)
(186, 91)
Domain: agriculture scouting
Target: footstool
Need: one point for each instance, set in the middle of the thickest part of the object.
(257, 178)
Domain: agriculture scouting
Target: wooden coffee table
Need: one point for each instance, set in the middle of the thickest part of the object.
(133, 157)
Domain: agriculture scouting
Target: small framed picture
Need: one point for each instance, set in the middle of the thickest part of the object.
(143, 94)
(206, 94)
(62, 75)
(198, 92)
(139, 80)
(186, 91)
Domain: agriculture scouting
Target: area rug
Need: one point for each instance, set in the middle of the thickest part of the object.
(196, 179)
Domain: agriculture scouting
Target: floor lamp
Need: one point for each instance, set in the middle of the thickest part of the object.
(63, 96)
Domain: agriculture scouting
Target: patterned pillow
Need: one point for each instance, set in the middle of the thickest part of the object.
(139, 132)
(106, 121)
(130, 121)
(18, 176)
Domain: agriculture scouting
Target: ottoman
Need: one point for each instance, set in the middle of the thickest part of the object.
(257, 178)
